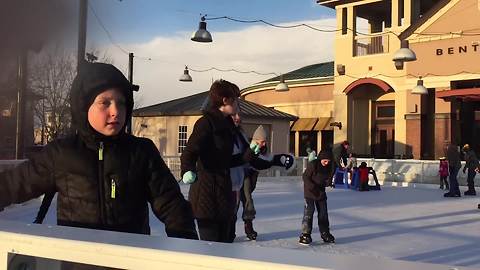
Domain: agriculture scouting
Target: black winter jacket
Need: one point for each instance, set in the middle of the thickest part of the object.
(209, 154)
(315, 178)
(109, 194)
(102, 182)
(471, 161)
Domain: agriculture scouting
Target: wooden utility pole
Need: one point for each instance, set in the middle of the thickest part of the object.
(21, 102)
(82, 32)
(130, 78)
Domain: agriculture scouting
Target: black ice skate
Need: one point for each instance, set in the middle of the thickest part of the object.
(327, 237)
(470, 192)
(448, 194)
(249, 231)
(305, 239)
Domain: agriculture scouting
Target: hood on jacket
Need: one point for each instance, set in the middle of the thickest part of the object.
(91, 80)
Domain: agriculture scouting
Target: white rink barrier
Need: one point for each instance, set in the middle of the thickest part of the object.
(410, 170)
(41, 247)
(388, 170)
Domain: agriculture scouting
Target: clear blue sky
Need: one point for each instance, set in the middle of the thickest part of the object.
(140, 20)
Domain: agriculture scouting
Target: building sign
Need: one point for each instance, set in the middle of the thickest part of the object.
(474, 47)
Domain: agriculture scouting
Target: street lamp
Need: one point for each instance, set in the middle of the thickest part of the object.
(202, 35)
(185, 76)
(282, 86)
(419, 89)
(404, 54)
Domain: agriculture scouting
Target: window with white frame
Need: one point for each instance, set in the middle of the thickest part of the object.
(182, 138)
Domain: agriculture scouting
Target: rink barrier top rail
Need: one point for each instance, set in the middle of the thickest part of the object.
(43, 247)
(388, 170)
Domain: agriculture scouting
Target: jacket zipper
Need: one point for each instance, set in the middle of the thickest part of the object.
(101, 189)
(113, 189)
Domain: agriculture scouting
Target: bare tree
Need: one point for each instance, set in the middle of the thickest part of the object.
(96, 55)
(51, 76)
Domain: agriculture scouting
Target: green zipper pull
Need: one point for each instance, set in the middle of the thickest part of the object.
(100, 151)
(114, 185)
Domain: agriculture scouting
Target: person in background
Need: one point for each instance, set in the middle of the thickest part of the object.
(246, 175)
(471, 163)
(206, 163)
(351, 165)
(340, 159)
(241, 176)
(454, 165)
(315, 179)
(105, 178)
(443, 173)
(363, 171)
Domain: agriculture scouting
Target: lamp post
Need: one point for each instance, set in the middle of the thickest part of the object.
(426, 126)
(82, 32)
(21, 91)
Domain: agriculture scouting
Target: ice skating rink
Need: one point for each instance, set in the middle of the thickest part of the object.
(405, 223)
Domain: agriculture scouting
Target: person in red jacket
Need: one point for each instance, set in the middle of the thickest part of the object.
(363, 171)
(443, 173)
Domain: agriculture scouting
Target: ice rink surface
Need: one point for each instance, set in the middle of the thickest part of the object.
(404, 223)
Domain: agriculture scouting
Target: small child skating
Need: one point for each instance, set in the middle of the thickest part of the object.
(443, 172)
(315, 179)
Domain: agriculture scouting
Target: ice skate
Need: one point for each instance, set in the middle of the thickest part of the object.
(249, 231)
(470, 192)
(305, 239)
(448, 194)
(327, 237)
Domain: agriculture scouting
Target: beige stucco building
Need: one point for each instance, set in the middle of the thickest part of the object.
(169, 124)
(310, 97)
(371, 97)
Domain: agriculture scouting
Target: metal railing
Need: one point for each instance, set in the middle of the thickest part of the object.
(368, 45)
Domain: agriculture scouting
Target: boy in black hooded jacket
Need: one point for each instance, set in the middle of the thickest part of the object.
(104, 177)
(315, 179)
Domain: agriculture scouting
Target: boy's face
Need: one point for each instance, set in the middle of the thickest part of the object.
(236, 119)
(230, 106)
(107, 113)
(261, 143)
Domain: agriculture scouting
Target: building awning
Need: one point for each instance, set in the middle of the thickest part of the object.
(323, 123)
(469, 94)
(304, 124)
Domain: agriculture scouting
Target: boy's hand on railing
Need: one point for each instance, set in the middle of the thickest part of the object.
(189, 177)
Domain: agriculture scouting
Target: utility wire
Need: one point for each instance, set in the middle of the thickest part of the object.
(232, 70)
(106, 30)
(287, 75)
(336, 30)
